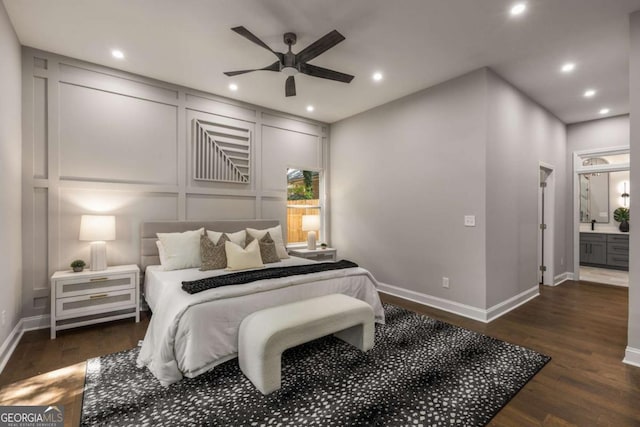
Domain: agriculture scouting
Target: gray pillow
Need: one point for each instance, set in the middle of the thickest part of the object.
(268, 250)
(213, 256)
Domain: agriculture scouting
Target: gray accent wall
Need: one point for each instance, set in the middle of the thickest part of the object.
(634, 241)
(10, 175)
(98, 140)
(520, 135)
(404, 175)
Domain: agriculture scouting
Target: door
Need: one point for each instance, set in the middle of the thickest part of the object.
(545, 225)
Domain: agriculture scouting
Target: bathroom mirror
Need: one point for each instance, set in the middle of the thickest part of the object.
(594, 197)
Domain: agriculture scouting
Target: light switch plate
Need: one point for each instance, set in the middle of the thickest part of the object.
(469, 220)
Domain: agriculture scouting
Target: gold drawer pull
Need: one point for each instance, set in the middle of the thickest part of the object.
(98, 296)
(99, 279)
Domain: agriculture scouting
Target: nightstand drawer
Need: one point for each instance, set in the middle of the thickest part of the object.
(94, 285)
(98, 302)
(323, 257)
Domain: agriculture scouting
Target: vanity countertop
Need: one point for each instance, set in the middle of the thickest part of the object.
(608, 231)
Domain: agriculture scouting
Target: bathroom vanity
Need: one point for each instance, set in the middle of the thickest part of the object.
(605, 250)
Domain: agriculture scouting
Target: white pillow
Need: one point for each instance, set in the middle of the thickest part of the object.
(181, 250)
(161, 253)
(238, 237)
(276, 235)
(242, 259)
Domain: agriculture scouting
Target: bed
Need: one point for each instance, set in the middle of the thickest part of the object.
(190, 334)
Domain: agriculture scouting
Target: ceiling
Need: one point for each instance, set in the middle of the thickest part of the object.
(414, 43)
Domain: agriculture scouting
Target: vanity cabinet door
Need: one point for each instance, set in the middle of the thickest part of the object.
(584, 252)
(598, 253)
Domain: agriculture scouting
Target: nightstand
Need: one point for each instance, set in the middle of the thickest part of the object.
(328, 254)
(88, 297)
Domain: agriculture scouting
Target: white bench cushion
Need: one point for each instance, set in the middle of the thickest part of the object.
(265, 334)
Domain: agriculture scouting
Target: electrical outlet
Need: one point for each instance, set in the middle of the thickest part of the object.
(469, 220)
(445, 282)
(4, 317)
(561, 261)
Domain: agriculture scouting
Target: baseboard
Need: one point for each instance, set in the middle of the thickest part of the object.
(9, 344)
(23, 325)
(460, 309)
(512, 303)
(561, 278)
(632, 356)
(454, 307)
(36, 322)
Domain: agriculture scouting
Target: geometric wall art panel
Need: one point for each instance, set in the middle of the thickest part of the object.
(221, 153)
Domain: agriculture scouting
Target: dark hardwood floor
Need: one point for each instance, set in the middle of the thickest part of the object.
(583, 327)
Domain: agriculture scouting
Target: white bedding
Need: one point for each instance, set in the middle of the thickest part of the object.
(191, 333)
(156, 280)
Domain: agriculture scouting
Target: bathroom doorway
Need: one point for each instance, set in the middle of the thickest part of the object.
(601, 203)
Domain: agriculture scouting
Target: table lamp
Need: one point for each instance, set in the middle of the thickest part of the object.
(98, 229)
(311, 223)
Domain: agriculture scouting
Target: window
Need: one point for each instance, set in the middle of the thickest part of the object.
(303, 198)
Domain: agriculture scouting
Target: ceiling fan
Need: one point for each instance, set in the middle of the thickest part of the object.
(293, 63)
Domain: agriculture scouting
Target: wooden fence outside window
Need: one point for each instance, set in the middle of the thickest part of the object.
(295, 210)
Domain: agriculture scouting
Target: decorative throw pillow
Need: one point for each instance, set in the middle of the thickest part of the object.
(242, 259)
(267, 248)
(181, 250)
(276, 235)
(213, 256)
(238, 237)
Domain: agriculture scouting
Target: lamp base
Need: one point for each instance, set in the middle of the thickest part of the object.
(311, 240)
(98, 256)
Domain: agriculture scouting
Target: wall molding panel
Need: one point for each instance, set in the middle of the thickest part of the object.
(99, 140)
(221, 153)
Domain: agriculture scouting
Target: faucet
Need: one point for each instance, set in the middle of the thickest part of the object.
(593, 224)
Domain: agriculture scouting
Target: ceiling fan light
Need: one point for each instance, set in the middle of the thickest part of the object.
(289, 71)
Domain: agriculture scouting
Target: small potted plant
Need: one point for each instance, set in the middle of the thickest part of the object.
(323, 245)
(78, 265)
(621, 215)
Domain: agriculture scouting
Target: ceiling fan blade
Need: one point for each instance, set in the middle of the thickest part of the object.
(325, 73)
(319, 46)
(273, 67)
(235, 73)
(290, 86)
(250, 36)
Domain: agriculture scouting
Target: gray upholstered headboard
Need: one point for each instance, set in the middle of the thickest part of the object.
(148, 230)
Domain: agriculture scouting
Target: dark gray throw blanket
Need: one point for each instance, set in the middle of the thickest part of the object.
(242, 277)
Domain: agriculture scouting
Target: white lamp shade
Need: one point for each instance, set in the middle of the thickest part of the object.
(98, 227)
(310, 222)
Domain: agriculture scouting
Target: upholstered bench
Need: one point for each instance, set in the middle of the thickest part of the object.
(265, 334)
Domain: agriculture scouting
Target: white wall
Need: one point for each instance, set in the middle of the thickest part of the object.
(521, 134)
(634, 244)
(404, 175)
(101, 140)
(10, 175)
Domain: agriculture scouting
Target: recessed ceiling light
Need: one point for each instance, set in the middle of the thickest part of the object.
(118, 54)
(568, 67)
(518, 9)
(233, 87)
(377, 76)
(605, 111)
(589, 93)
(310, 108)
